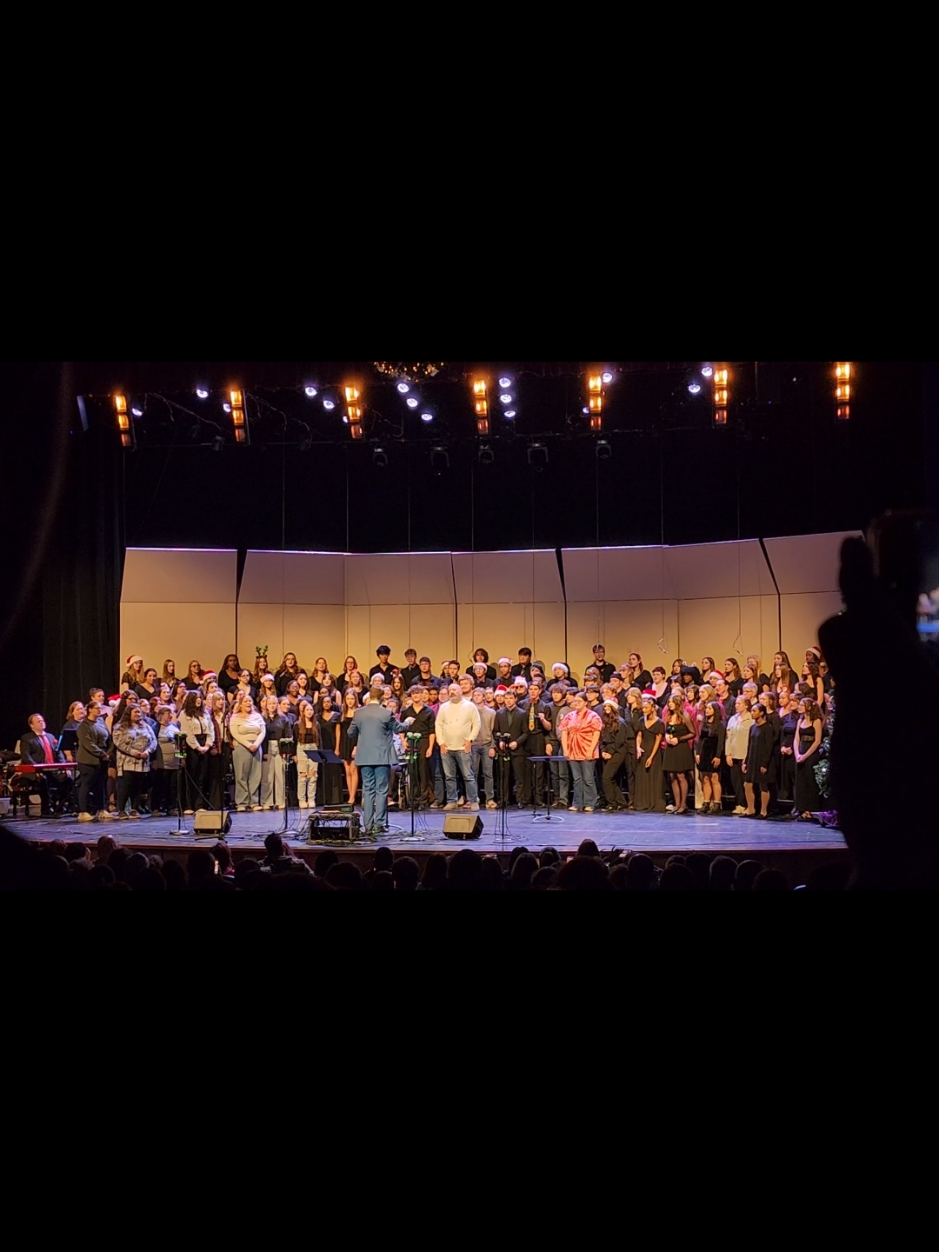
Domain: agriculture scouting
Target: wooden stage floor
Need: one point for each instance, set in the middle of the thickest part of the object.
(776, 843)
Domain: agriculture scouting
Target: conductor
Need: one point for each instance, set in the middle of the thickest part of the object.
(372, 732)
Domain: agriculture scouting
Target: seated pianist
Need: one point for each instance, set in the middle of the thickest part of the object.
(39, 748)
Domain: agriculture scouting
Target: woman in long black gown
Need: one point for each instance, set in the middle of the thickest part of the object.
(650, 796)
(789, 713)
(330, 776)
(807, 741)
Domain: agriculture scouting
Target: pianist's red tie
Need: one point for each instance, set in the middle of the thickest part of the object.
(47, 747)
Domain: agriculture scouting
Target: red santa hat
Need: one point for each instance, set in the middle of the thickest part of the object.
(135, 660)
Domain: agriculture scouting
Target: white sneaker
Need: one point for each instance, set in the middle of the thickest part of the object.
(448, 808)
(105, 816)
(669, 808)
(187, 813)
(242, 808)
(86, 817)
(739, 810)
(473, 808)
(303, 804)
(256, 808)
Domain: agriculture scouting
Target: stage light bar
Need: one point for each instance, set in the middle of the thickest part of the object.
(310, 391)
(124, 425)
(595, 400)
(239, 415)
(843, 374)
(721, 398)
(481, 405)
(353, 410)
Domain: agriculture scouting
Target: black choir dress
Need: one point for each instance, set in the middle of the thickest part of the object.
(787, 766)
(650, 796)
(710, 745)
(329, 780)
(679, 758)
(345, 743)
(808, 798)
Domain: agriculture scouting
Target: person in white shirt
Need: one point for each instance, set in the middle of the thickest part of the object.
(457, 725)
(735, 746)
(248, 731)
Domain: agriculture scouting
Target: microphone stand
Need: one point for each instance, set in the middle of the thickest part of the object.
(180, 755)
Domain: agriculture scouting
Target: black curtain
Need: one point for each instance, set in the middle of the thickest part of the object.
(63, 515)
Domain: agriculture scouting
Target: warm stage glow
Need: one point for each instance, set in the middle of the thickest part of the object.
(481, 405)
(842, 370)
(237, 398)
(120, 403)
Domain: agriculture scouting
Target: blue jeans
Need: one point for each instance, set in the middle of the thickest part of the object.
(375, 781)
(584, 779)
(453, 761)
(560, 778)
(483, 761)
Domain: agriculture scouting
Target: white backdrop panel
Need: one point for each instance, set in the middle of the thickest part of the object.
(597, 574)
(727, 627)
(801, 617)
(293, 578)
(507, 578)
(172, 576)
(622, 627)
(712, 570)
(399, 578)
(185, 632)
(807, 562)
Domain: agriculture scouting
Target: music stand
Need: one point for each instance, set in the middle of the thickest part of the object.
(546, 816)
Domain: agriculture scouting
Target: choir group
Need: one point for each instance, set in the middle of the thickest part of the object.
(702, 738)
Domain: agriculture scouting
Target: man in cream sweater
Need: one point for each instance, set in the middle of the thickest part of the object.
(457, 725)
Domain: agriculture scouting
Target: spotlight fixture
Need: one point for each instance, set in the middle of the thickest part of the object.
(511, 413)
(412, 402)
(226, 408)
(707, 370)
(439, 459)
(481, 405)
(486, 455)
(842, 390)
(136, 411)
(505, 398)
(202, 393)
(603, 450)
(505, 382)
(537, 455)
(310, 390)
(329, 405)
(124, 424)
(427, 416)
(721, 394)
(607, 377)
(239, 415)
(694, 388)
(404, 388)
(380, 458)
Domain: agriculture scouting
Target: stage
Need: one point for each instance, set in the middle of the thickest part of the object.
(795, 847)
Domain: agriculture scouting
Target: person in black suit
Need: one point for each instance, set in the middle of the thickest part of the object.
(511, 725)
(40, 748)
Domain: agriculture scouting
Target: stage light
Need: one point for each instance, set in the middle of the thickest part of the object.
(404, 388)
(707, 370)
(537, 455)
(226, 408)
(481, 405)
(202, 393)
(239, 416)
(505, 398)
(124, 424)
(603, 450)
(427, 416)
(329, 405)
(486, 455)
(721, 394)
(380, 458)
(412, 402)
(439, 459)
(607, 376)
(135, 412)
(694, 388)
(511, 413)
(357, 431)
(310, 391)
(843, 412)
(505, 383)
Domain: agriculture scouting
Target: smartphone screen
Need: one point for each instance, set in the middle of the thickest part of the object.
(906, 557)
(927, 605)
